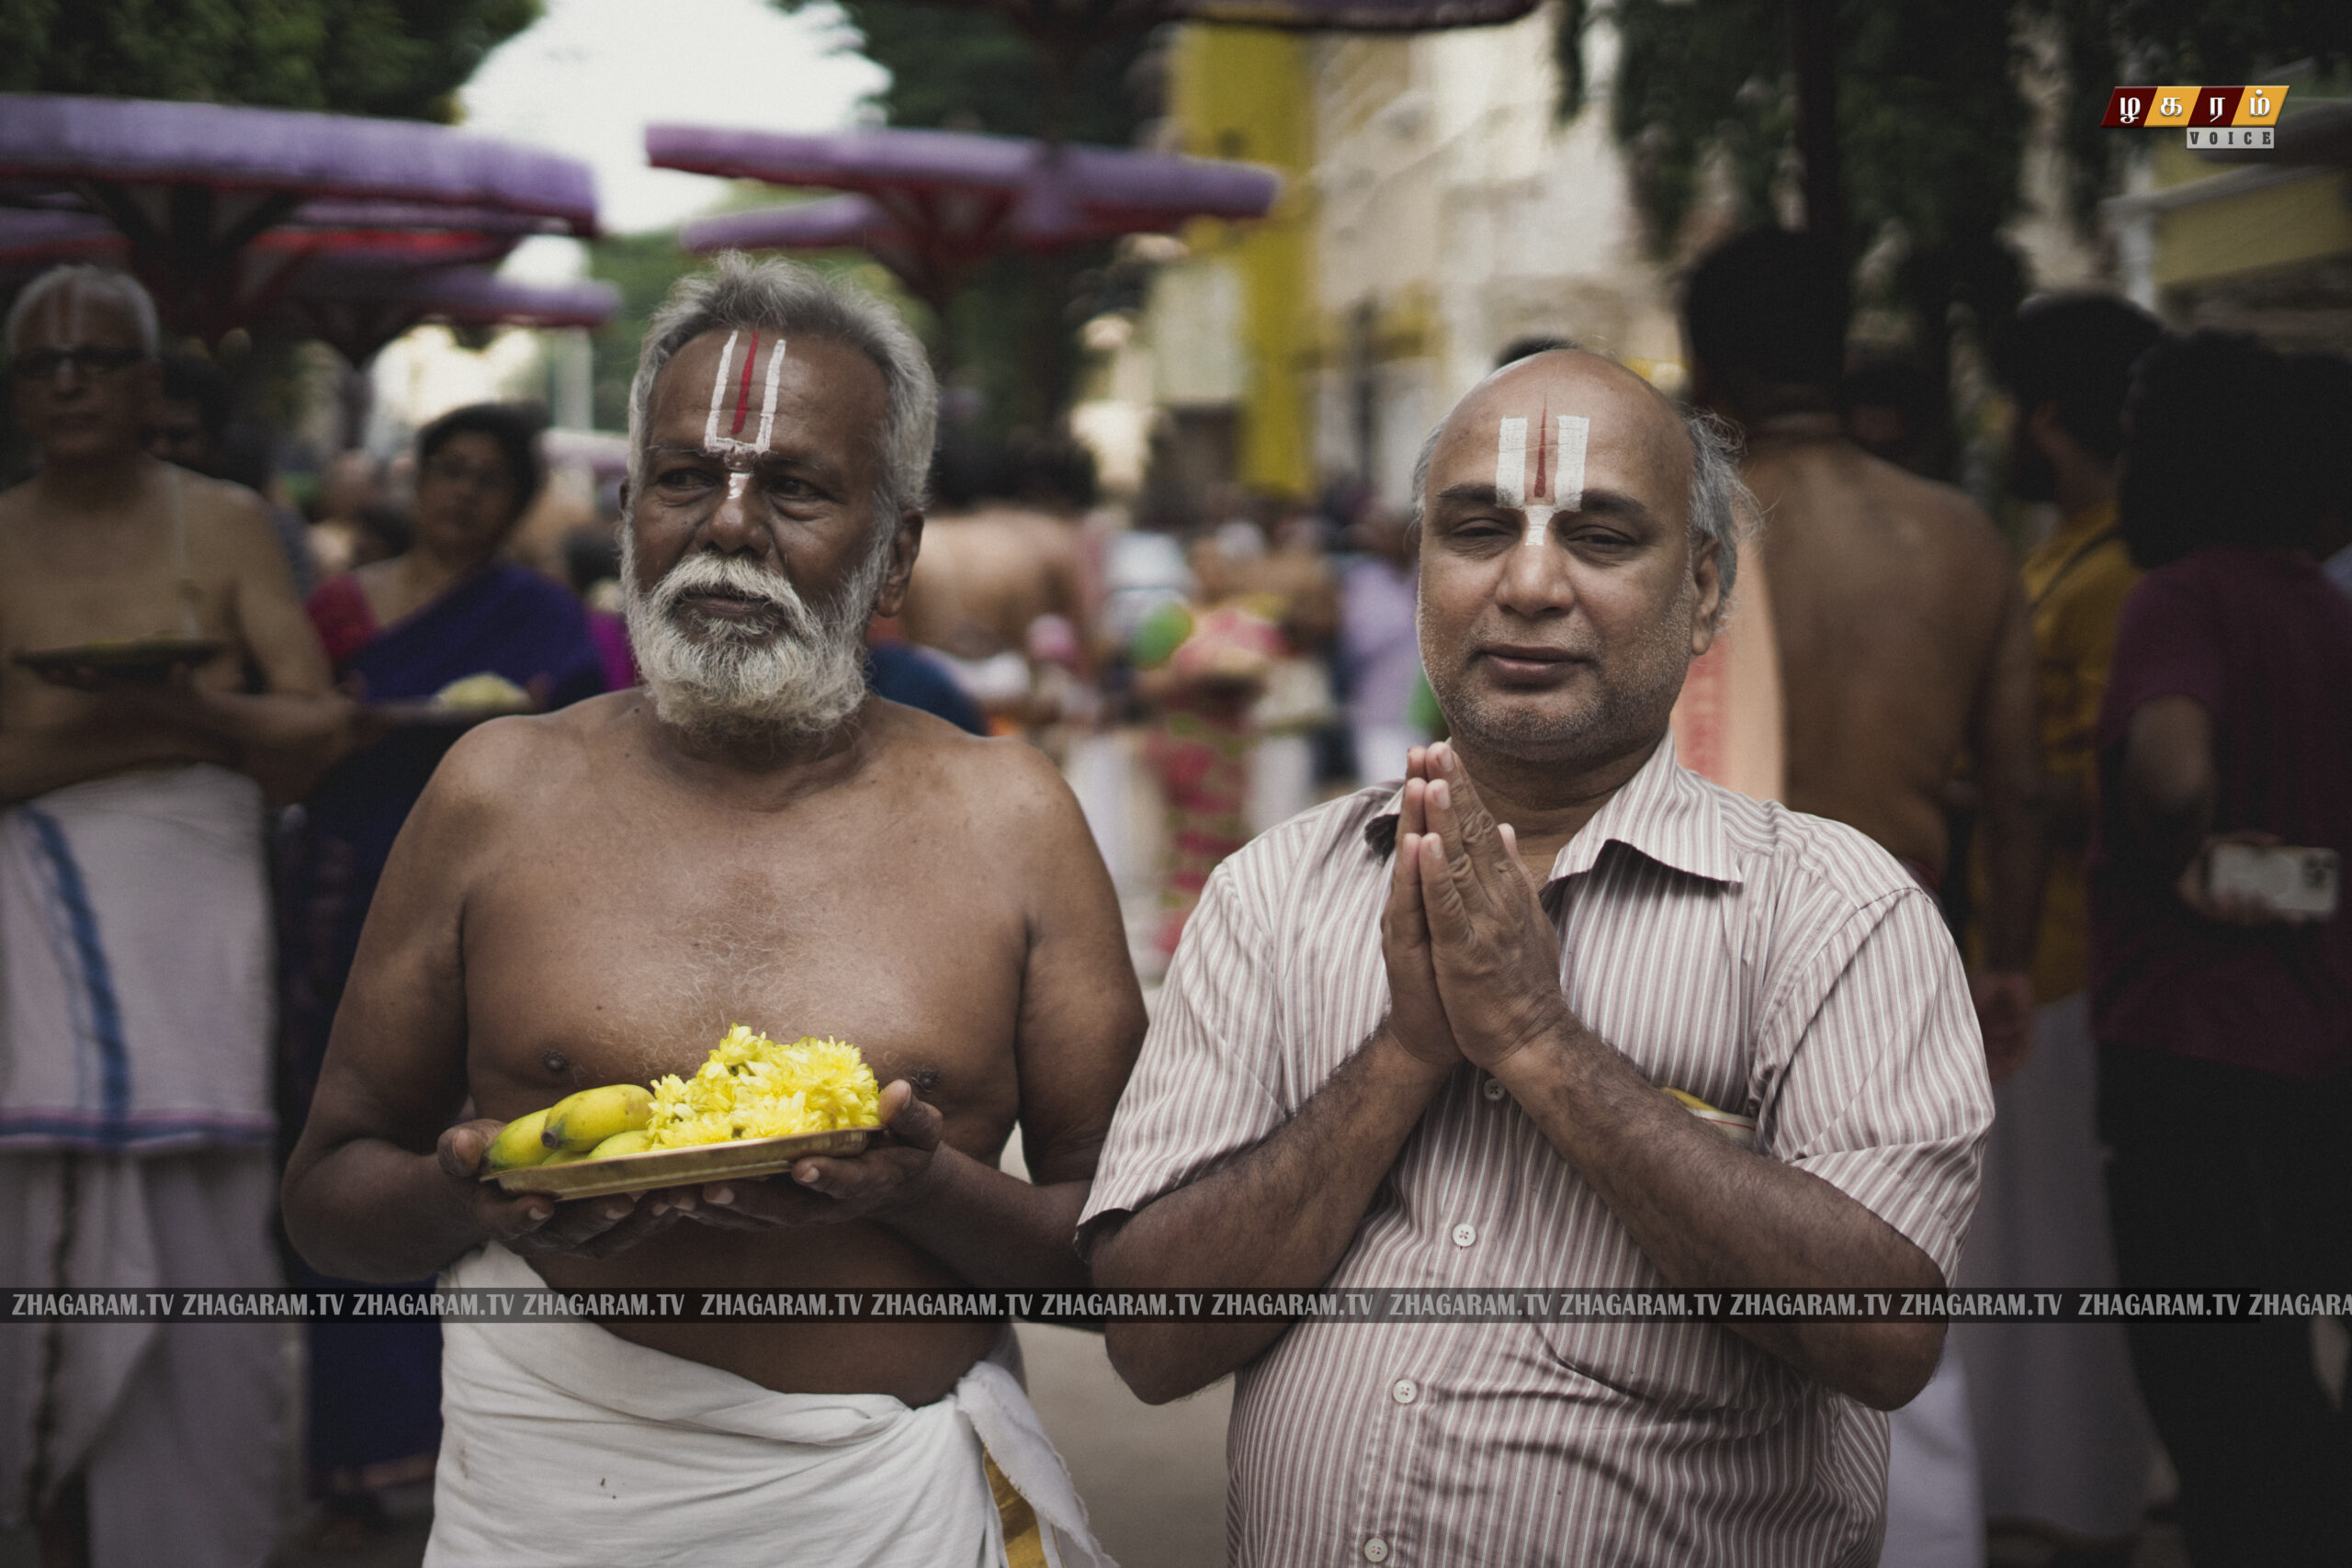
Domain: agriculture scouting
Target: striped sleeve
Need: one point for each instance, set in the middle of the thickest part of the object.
(1882, 1091)
(1196, 1098)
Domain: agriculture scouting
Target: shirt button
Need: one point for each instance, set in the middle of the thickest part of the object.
(1464, 1234)
(1403, 1391)
(1375, 1551)
(1494, 1089)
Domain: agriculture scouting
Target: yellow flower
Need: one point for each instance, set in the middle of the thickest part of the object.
(753, 1086)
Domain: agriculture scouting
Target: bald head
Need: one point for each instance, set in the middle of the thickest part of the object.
(1568, 578)
(1569, 383)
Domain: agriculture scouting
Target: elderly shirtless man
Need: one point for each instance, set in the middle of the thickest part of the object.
(135, 961)
(593, 896)
(1903, 640)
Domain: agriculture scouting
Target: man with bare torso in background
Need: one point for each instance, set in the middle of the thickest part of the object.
(1000, 556)
(1902, 642)
(135, 946)
(594, 896)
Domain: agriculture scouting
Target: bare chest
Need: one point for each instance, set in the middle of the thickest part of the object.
(615, 946)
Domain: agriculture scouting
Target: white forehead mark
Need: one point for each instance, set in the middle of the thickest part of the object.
(767, 398)
(1560, 485)
(735, 479)
(718, 397)
(1568, 489)
(1510, 464)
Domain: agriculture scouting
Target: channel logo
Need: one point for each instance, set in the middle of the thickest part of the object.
(2213, 117)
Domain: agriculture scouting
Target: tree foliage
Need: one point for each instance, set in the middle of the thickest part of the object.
(1932, 125)
(401, 59)
(1012, 335)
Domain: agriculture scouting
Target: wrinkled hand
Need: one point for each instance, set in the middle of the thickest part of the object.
(1416, 1016)
(533, 1223)
(2196, 886)
(1495, 955)
(2005, 1012)
(895, 1170)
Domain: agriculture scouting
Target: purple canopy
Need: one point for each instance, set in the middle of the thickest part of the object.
(932, 203)
(1066, 28)
(220, 208)
(359, 308)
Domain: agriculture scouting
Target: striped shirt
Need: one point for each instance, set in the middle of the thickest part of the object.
(1764, 961)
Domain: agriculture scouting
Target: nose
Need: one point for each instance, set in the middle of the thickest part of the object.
(1535, 580)
(733, 528)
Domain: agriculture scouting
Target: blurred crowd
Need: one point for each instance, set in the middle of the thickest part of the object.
(1207, 676)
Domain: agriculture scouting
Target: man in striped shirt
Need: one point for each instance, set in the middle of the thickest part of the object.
(1416, 1038)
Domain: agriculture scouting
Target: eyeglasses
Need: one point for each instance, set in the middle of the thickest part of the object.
(42, 364)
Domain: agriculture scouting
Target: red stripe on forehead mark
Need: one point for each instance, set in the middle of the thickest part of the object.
(744, 388)
(1541, 490)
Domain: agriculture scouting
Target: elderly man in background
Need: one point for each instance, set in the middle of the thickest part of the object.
(593, 897)
(1901, 643)
(1418, 1036)
(135, 1014)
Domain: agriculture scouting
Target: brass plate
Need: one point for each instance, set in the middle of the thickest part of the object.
(746, 1157)
(135, 659)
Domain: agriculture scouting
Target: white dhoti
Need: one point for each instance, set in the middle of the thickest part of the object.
(135, 1128)
(1935, 1514)
(2062, 1439)
(562, 1443)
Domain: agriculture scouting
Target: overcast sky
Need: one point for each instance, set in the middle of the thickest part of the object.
(588, 78)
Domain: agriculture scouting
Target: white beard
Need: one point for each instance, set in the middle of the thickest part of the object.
(743, 682)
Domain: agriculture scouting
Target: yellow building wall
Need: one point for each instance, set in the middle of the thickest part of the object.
(1244, 92)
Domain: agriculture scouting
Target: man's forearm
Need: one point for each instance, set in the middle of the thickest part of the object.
(1711, 1214)
(994, 1229)
(371, 1210)
(1280, 1216)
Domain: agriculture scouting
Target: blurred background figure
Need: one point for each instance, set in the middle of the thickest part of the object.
(1204, 665)
(1001, 548)
(343, 534)
(2320, 387)
(192, 429)
(1896, 410)
(1293, 586)
(135, 946)
(401, 632)
(1901, 638)
(2061, 1441)
(2224, 1023)
(1380, 652)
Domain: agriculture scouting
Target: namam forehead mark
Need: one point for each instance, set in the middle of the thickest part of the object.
(1562, 433)
(71, 315)
(742, 397)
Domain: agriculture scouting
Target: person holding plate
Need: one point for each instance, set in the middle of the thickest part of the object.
(413, 636)
(158, 672)
(591, 898)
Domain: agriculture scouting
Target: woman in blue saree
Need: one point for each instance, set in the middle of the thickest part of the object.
(400, 631)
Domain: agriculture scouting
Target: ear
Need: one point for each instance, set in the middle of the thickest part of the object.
(1706, 572)
(904, 550)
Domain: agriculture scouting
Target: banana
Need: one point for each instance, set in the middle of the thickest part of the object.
(562, 1156)
(519, 1142)
(630, 1143)
(581, 1122)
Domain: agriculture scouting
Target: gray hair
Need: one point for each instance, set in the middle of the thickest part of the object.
(1720, 505)
(793, 300)
(70, 276)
